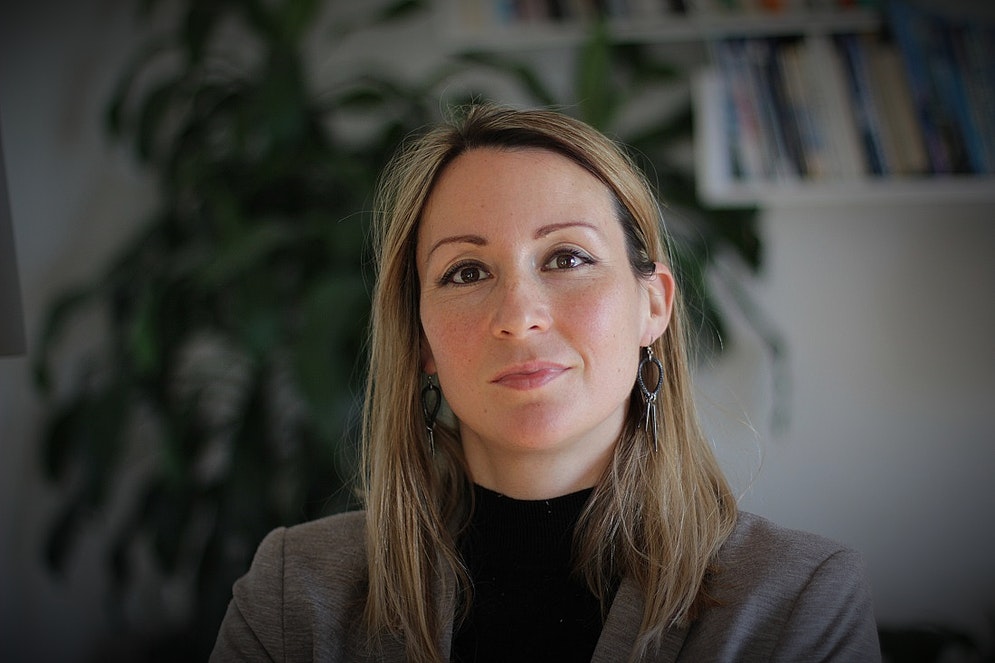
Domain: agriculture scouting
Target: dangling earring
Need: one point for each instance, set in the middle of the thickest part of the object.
(431, 400)
(649, 395)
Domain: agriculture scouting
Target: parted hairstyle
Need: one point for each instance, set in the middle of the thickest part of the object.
(656, 516)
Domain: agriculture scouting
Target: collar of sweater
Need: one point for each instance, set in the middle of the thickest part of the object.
(532, 532)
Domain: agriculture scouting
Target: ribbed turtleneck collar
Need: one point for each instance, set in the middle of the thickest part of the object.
(526, 531)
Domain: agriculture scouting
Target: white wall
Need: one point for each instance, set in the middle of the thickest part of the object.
(888, 315)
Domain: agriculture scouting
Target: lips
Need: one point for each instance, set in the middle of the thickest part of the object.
(529, 376)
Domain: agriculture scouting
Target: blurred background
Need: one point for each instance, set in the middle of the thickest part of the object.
(189, 187)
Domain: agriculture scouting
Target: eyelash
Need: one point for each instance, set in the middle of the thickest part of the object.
(581, 256)
(447, 278)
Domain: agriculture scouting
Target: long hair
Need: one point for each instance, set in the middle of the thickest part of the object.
(658, 516)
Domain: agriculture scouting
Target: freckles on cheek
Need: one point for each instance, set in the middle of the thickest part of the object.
(600, 320)
(443, 333)
(433, 338)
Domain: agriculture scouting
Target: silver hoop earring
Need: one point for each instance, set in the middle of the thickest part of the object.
(650, 395)
(431, 400)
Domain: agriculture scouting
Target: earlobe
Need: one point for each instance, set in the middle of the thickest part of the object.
(661, 288)
(427, 358)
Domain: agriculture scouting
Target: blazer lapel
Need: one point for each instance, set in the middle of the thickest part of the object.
(618, 635)
(391, 649)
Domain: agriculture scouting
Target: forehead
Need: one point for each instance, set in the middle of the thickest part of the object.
(511, 184)
(504, 163)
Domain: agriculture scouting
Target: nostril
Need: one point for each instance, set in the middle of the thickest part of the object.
(519, 308)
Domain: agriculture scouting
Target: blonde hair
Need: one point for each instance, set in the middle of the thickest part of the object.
(657, 516)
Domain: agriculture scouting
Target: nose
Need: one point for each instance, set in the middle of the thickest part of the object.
(521, 307)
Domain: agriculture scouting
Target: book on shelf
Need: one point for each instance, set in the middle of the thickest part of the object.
(917, 97)
(473, 18)
(977, 63)
(939, 61)
(900, 136)
(919, 43)
(741, 113)
(971, 95)
(831, 95)
(774, 8)
(476, 15)
(789, 116)
(863, 102)
(802, 107)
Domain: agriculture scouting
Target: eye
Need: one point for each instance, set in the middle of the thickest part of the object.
(465, 274)
(568, 259)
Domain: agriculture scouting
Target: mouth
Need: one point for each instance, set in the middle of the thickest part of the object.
(529, 376)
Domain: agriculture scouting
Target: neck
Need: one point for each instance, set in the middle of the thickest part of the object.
(535, 474)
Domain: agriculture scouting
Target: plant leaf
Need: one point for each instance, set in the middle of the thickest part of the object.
(673, 128)
(59, 438)
(244, 253)
(328, 345)
(153, 111)
(520, 73)
(595, 91)
(115, 113)
(59, 313)
(62, 534)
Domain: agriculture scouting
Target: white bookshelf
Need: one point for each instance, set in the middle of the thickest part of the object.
(718, 187)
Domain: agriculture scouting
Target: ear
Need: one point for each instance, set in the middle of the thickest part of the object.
(660, 287)
(427, 358)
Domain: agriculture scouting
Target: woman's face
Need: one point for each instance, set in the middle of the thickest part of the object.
(532, 316)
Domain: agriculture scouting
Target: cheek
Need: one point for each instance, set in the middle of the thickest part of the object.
(607, 316)
(446, 337)
(608, 326)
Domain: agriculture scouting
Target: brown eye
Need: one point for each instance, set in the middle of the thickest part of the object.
(465, 274)
(567, 260)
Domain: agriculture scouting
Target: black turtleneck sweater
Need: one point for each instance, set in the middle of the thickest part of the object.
(527, 605)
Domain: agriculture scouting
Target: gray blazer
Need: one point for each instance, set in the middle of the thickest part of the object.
(783, 595)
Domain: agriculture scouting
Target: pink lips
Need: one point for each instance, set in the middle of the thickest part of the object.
(529, 376)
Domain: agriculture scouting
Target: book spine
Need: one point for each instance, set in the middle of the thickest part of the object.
(779, 164)
(979, 46)
(865, 114)
(901, 133)
(803, 108)
(747, 140)
(829, 81)
(909, 28)
(963, 92)
(784, 111)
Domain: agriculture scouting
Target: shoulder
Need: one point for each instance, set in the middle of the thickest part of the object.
(781, 594)
(774, 568)
(767, 552)
(318, 563)
(337, 540)
(302, 594)
(334, 545)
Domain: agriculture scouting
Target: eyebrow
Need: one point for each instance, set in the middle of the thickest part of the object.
(551, 228)
(542, 231)
(476, 240)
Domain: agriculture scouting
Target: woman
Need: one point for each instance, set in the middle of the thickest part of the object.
(565, 504)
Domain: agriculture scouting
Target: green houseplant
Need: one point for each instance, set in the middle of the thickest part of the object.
(233, 323)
